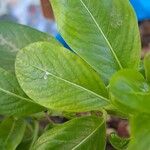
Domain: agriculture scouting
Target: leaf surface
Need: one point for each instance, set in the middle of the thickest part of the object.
(105, 35)
(78, 134)
(117, 142)
(13, 101)
(13, 37)
(58, 79)
(30, 136)
(130, 92)
(140, 131)
(147, 66)
(11, 133)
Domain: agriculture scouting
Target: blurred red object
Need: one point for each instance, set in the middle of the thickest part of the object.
(47, 9)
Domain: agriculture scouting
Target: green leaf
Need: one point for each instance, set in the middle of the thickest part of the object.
(130, 92)
(104, 34)
(112, 110)
(140, 131)
(118, 142)
(142, 68)
(58, 79)
(11, 133)
(13, 37)
(30, 136)
(147, 66)
(13, 100)
(78, 134)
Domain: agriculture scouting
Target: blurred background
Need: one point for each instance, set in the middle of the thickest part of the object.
(28, 12)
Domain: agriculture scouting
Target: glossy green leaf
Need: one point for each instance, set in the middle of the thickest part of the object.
(58, 79)
(78, 134)
(117, 142)
(130, 92)
(147, 66)
(11, 133)
(13, 100)
(140, 133)
(104, 34)
(13, 37)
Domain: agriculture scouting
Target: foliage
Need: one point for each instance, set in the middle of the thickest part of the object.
(101, 75)
(117, 142)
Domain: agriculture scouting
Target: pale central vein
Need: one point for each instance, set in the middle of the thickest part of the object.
(76, 85)
(99, 28)
(87, 137)
(15, 95)
(4, 41)
(10, 132)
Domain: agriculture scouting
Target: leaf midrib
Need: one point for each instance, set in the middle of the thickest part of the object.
(99, 28)
(85, 139)
(76, 85)
(14, 95)
(10, 132)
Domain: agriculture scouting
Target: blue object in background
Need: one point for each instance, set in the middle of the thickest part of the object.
(142, 9)
(62, 41)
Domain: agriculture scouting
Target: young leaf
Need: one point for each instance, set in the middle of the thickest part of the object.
(13, 37)
(80, 133)
(147, 66)
(13, 100)
(117, 142)
(11, 133)
(104, 34)
(58, 79)
(130, 92)
(140, 131)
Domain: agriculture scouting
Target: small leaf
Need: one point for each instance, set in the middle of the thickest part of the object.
(105, 35)
(11, 133)
(80, 133)
(141, 68)
(58, 79)
(117, 142)
(147, 66)
(130, 92)
(13, 37)
(13, 100)
(140, 131)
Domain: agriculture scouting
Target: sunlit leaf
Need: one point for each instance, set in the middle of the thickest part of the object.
(104, 33)
(58, 79)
